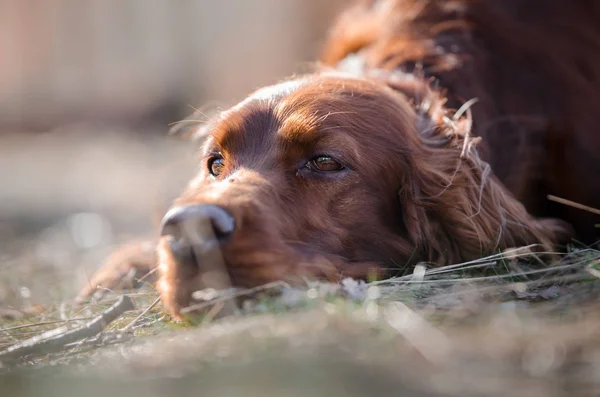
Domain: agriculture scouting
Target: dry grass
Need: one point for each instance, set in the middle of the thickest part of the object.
(507, 313)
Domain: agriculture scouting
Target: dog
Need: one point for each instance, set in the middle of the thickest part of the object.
(431, 131)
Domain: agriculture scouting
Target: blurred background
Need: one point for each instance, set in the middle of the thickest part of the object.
(88, 90)
(138, 61)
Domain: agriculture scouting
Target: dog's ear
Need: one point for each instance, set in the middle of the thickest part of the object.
(422, 92)
(454, 207)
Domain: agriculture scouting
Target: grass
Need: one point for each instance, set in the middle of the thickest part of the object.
(506, 324)
(449, 296)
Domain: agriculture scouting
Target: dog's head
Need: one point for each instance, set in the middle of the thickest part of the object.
(329, 175)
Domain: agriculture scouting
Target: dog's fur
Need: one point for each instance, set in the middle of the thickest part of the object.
(415, 186)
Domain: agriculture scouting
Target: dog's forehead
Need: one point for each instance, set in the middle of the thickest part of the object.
(264, 98)
(276, 91)
(303, 109)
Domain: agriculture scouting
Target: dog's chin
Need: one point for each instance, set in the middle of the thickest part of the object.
(187, 269)
(186, 274)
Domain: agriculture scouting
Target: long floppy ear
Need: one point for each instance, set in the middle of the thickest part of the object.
(453, 205)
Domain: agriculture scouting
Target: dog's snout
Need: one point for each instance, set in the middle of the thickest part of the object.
(197, 221)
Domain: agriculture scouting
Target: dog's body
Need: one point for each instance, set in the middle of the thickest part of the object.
(534, 66)
(338, 174)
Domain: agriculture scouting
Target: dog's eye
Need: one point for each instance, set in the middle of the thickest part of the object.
(324, 164)
(215, 166)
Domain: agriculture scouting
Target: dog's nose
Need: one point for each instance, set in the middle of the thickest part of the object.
(190, 221)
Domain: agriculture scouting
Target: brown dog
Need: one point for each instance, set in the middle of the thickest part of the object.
(363, 167)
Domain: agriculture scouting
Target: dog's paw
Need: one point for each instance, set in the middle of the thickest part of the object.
(128, 267)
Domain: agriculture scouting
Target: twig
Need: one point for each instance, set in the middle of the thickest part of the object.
(249, 291)
(44, 323)
(56, 339)
(150, 273)
(486, 278)
(212, 313)
(590, 269)
(573, 204)
(128, 327)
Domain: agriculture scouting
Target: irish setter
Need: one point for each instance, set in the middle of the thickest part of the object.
(374, 161)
